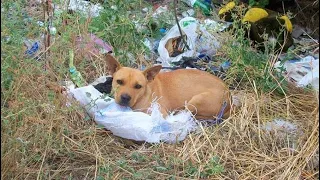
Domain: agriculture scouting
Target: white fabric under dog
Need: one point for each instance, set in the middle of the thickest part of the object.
(138, 126)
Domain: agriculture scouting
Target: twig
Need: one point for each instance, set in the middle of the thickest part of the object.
(48, 13)
(176, 18)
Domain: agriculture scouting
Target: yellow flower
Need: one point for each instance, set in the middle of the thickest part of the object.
(287, 23)
(254, 14)
(227, 8)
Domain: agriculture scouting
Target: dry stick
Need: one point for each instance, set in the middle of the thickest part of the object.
(47, 16)
(176, 18)
(44, 38)
(49, 20)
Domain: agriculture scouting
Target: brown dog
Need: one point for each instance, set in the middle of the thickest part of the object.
(200, 92)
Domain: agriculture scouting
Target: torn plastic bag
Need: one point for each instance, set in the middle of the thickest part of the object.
(138, 126)
(172, 48)
(86, 7)
(302, 72)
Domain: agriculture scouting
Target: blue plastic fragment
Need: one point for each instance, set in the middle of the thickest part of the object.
(33, 49)
(156, 45)
(225, 65)
(162, 30)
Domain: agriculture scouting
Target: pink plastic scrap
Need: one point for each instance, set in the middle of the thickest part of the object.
(93, 44)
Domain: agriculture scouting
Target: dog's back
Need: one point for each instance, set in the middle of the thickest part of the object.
(178, 87)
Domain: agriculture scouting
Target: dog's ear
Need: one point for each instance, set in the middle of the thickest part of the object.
(112, 63)
(150, 73)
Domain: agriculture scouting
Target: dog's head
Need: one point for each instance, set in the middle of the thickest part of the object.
(129, 84)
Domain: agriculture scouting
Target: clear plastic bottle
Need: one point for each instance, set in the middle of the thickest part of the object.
(74, 74)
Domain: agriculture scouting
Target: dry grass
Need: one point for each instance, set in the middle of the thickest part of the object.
(56, 142)
(41, 138)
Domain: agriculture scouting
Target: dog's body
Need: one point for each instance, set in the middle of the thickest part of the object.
(200, 92)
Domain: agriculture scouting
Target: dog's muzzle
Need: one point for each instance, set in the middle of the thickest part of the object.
(124, 100)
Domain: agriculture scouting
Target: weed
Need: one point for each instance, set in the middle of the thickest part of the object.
(191, 170)
(138, 157)
(119, 29)
(105, 171)
(122, 163)
(249, 65)
(212, 168)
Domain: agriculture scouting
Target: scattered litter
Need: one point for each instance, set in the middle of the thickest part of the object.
(6, 39)
(68, 85)
(160, 11)
(22, 141)
(163, 31)
(152, 45)
(103, 84)
(205, 6)
(32, 48)
(188, 13)
(101, 79)
(91, 44)
(52, 30)
(138, 126)
(280, 125)
(40, 23)
(126, 55)
(156, 45)
(302, 72)
(215, 26)
(86, 7)
(297, 31)
(145, 10)
(139, 27)
(114, 7)
(204, 63)
(172, 49)
(225, 65)
(285, 130)
(307, 43)
(147, 42)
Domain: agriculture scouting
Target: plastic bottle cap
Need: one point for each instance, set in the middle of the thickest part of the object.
(162, 30)
(72, 69)
(52, 30)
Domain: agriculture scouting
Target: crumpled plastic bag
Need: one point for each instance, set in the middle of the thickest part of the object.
(138, 126)
(302, 72)
(280, 125)
(197, 38)
(85, 7)
(284, 129)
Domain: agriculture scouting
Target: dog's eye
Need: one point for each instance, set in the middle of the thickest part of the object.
(137, 86)
(120, 82)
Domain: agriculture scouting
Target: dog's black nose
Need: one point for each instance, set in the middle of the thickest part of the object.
(125, 99)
